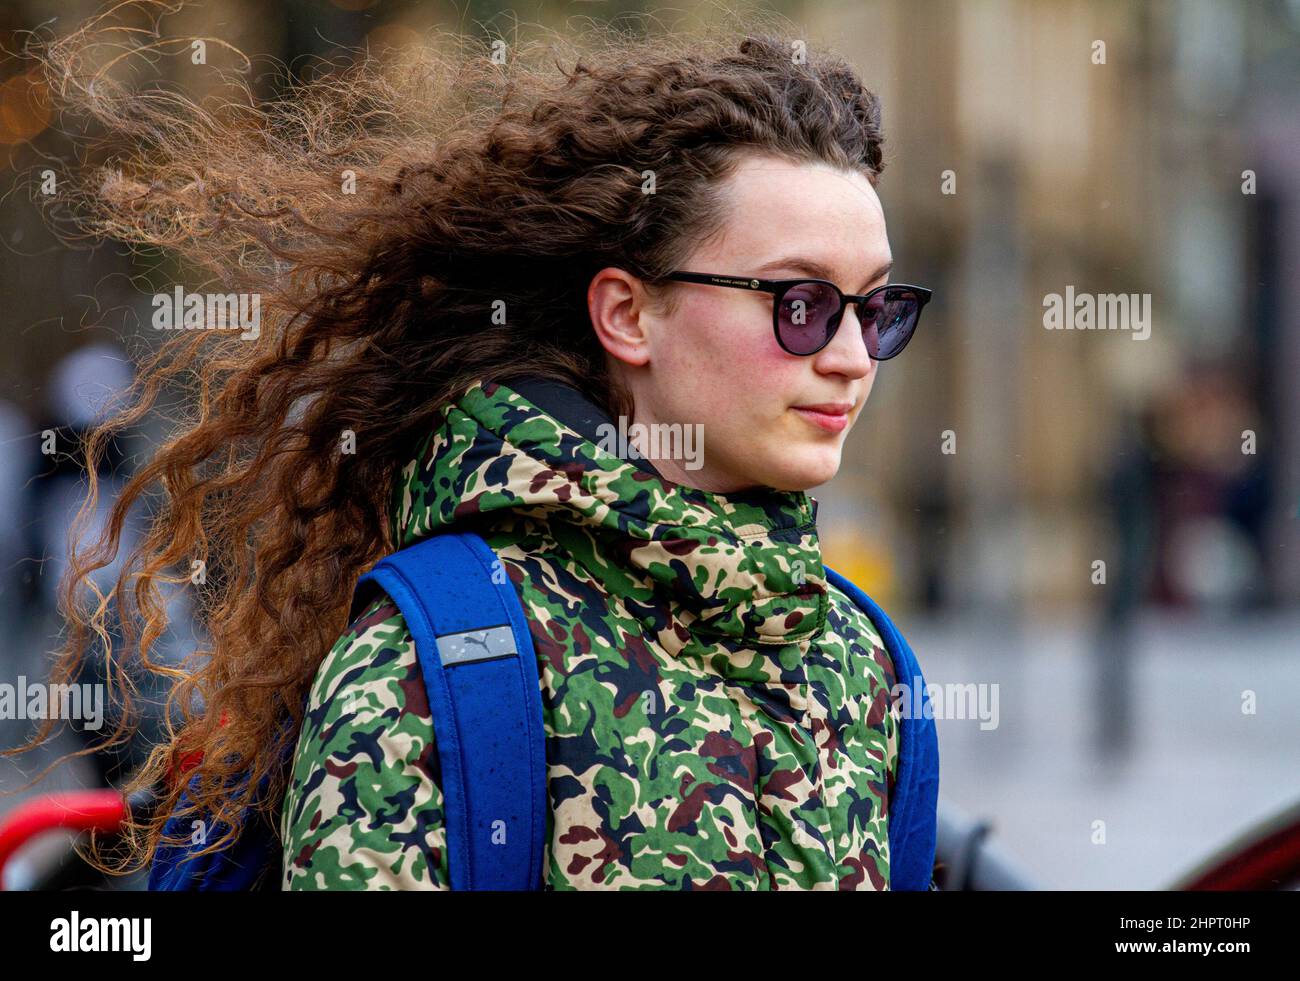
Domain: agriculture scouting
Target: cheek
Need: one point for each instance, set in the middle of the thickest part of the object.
(721, 366)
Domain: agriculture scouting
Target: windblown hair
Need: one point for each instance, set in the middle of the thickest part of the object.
(475, 182)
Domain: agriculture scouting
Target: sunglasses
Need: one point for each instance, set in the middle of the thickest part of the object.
(806, 313)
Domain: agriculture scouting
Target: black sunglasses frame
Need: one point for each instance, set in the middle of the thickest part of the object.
(779, 287)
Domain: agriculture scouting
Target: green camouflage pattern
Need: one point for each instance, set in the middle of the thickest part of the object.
(717, 715)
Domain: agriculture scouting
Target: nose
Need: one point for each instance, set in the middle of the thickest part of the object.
(846, 354)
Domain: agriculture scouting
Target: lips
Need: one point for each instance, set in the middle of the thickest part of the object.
(829, 408)
(830, 416)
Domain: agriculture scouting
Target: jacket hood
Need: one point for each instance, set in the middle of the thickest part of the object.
(694, 565)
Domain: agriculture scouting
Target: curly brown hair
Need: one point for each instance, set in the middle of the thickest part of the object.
(475, 182)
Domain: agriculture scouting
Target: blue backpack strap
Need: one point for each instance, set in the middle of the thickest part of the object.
(480, 672)
(913, 808)
(251, 862)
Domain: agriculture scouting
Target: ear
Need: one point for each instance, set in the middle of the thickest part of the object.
(617, 301)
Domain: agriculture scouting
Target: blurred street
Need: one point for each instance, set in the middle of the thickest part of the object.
(1198, 771)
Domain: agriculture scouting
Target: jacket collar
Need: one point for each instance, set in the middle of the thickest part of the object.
(573, 408)
(697, 565)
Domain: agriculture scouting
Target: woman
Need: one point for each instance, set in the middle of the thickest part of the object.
(672, 237)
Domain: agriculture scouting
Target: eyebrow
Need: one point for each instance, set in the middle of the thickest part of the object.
(815, 269)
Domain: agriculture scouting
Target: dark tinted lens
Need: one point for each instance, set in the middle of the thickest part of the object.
(888, 320)
(806, 315)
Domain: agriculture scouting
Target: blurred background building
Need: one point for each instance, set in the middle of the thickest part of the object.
(1103, 147)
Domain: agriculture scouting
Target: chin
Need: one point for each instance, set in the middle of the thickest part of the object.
(806, 469)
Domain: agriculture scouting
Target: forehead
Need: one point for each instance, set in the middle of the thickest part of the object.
(777, 207)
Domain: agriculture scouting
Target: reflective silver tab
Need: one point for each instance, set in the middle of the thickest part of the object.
(476, 645)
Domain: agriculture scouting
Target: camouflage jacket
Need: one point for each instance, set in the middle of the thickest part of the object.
(717, 715)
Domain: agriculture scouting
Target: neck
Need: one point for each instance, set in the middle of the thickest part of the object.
(676, 452)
